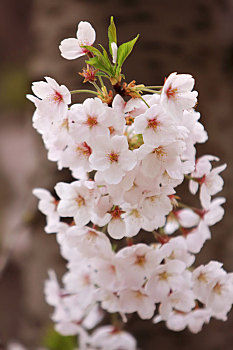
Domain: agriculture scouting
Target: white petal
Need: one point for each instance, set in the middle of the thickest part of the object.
(70, 49)
(85, 33)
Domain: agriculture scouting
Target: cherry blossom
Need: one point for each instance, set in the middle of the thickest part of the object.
(72, 48)
(128, 152)
(176, 94)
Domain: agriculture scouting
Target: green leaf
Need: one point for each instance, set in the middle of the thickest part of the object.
(99, 64)
(124, 51)
(101, 74)
(112, 36)
(94, 50)
(106, 58)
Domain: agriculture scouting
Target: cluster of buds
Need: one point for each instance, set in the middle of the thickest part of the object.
(127, 157)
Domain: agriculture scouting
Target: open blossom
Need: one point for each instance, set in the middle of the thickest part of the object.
(76, 201)
(157, 160)
(53, 98)
(111, 338)
(176, 94)
(112, 157)
(156, 127)
(137, 301)
(71, 48)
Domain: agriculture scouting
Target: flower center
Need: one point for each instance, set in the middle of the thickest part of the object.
(140, 260)
(217, 289)
(116, 212)
(163, 276)
(171, 93)
(57, 97)
(113, 157)
(159, 151)
(202, 278)
(80, 201)
(65, 124)
(153, 123)
(91, 121)
(84, 149)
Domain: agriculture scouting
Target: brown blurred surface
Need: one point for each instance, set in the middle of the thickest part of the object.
(186, 36)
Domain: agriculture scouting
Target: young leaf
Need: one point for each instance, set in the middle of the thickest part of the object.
(105, 55)
(93, 50)
(101, 74)
(124, 51)
(99, 64)
(112, 36)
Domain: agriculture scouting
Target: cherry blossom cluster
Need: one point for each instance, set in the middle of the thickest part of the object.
(128, 152)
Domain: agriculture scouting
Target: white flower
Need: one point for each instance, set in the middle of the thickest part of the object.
(71, 48)
(211, 184)
(54, 98)
(112, 157)
(165, 277)
(111, 338)
(76, 200)
(155, 161)
(140, 260)
(176, 95)
(156, 127)
(137, 300)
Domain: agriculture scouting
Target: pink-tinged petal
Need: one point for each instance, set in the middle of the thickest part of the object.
(193, 186)
(114, 174)
(65, 94)
(118, 103)
(188, 218)
(52, 82)
(116, 228)
(99, 162)
(93, 107)
(140, 124)
(146, 309)
(102, 144)
(46, 207)
(67, 208)
(133, 225)
(128, 160)
(151, 166)
(41, 193)
(70, 49)
(82, 217)
(120, 143)
(42, 89)
(65, 190)
(205, 197)
(85, 33)
(67, 328)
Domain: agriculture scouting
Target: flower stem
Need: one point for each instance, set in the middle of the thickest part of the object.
(150, 90)
(101, 82)
(83, 91)
(153, 87)
(97, 87)
(144, 101)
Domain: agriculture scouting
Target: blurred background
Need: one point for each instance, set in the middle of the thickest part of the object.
(184, 36)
